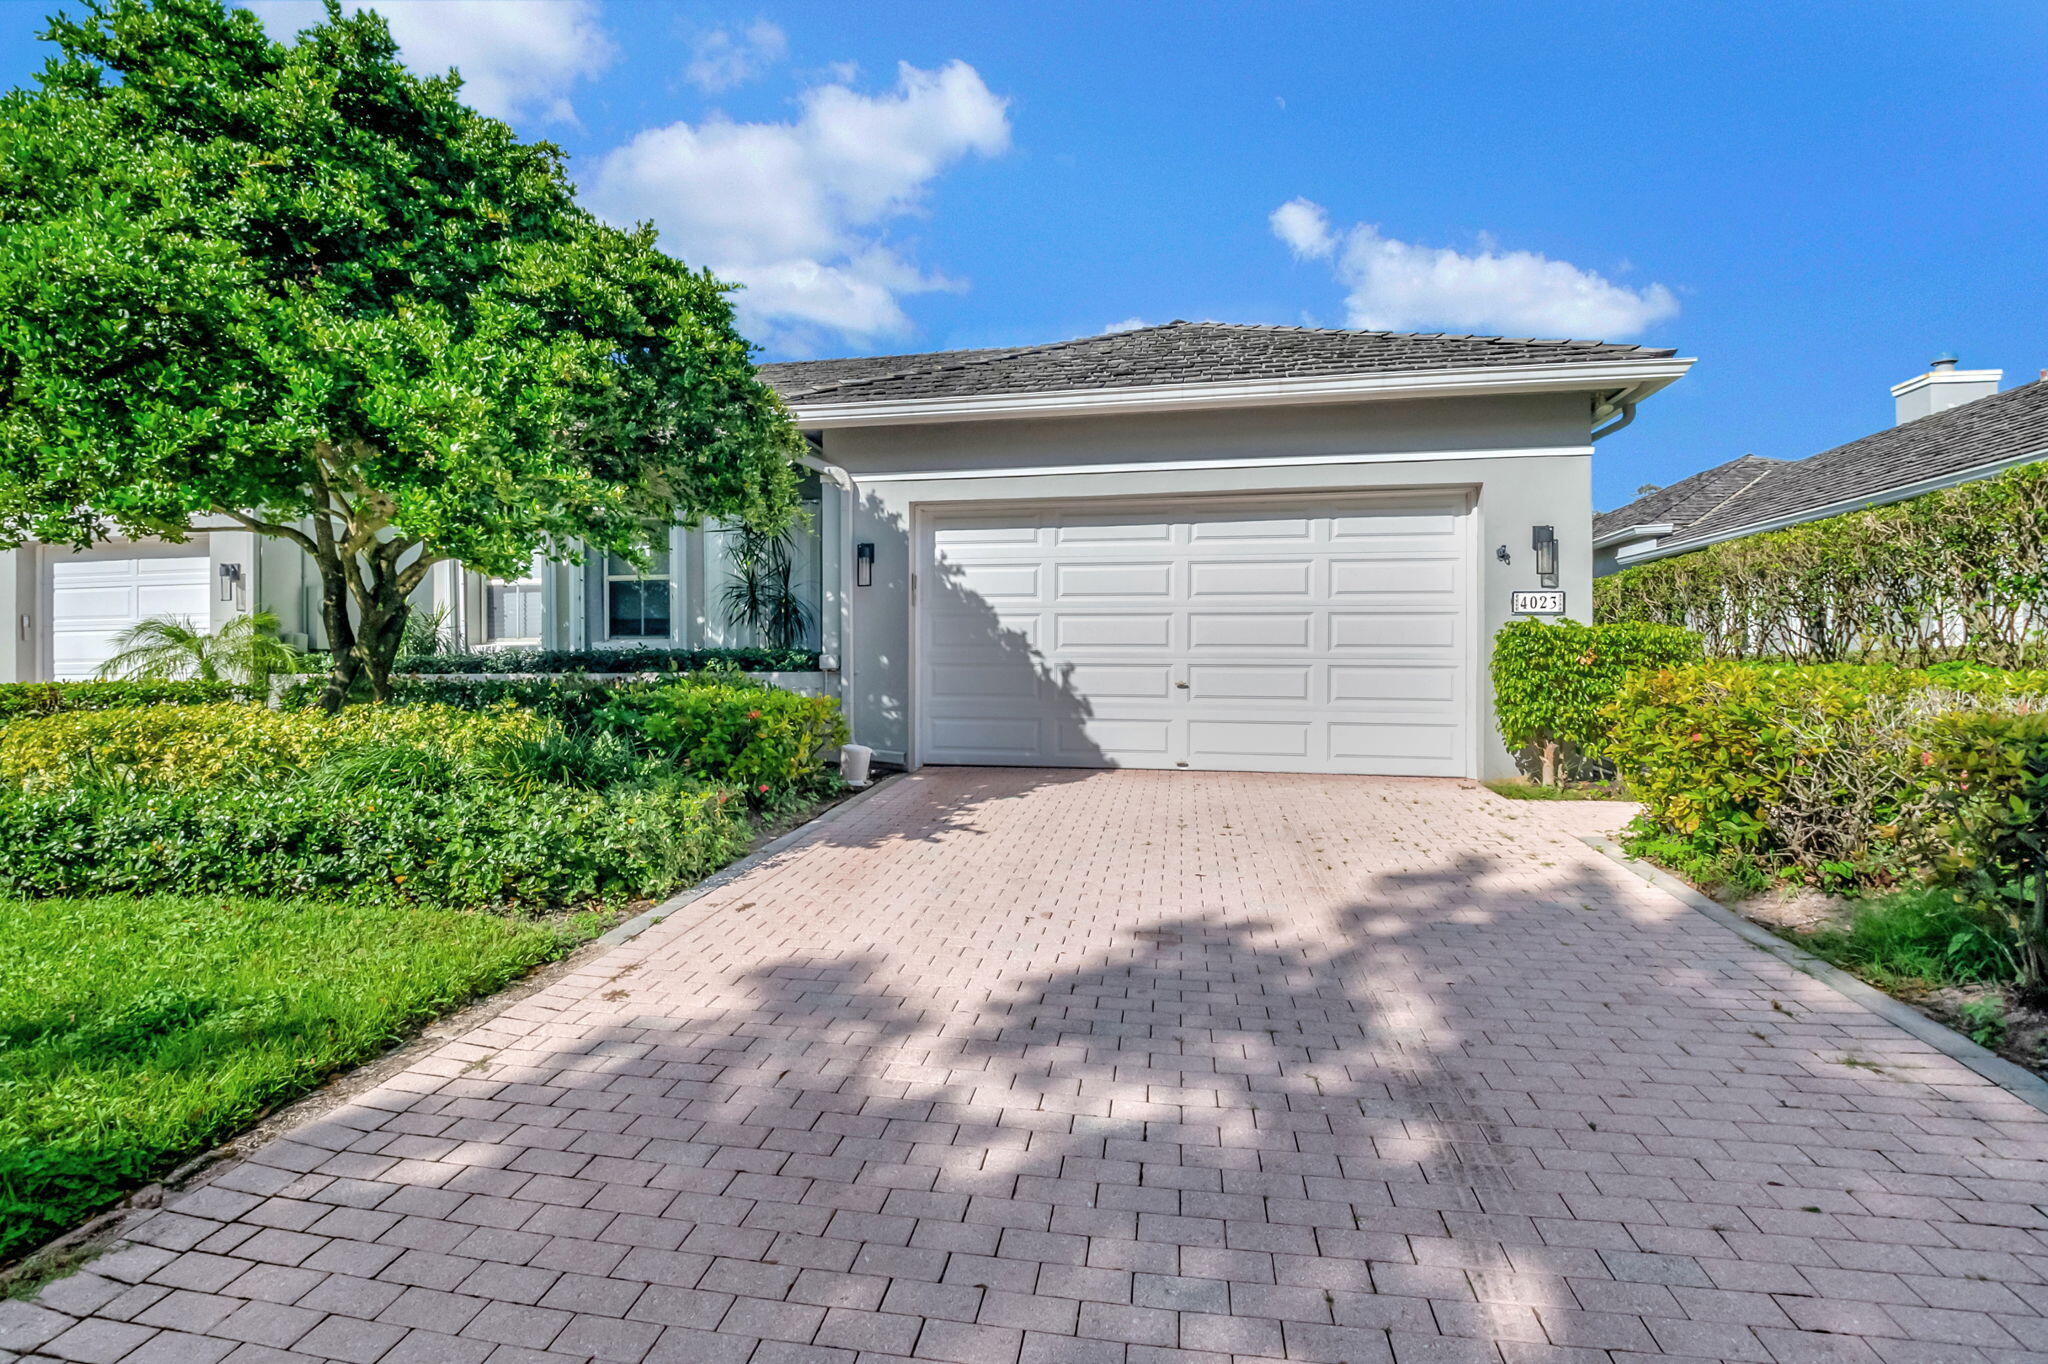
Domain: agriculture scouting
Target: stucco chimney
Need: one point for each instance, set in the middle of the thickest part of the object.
(1943, 386)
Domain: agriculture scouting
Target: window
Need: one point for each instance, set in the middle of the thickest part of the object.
(512, 608)
(636, 603)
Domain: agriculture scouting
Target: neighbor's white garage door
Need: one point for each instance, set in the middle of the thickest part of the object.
(1265, 636)
(96, 595)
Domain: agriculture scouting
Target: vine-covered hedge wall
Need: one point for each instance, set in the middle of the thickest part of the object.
(1959, 573)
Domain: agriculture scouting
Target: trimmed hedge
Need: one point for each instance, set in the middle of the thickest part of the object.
(1953, 573)
(629, 660)
(206, 744)
(52, 698)
(1552, 682)
(758, 737)
(462, 845)
(569, 699)
(1745, 767)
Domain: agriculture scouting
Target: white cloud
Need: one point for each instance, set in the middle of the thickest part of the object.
(517, 57)
(797, 212)
(1129, 324)
(720, 60)
(1401, 286)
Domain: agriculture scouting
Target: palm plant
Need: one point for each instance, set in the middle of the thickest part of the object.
(245, 651)
(761, 595)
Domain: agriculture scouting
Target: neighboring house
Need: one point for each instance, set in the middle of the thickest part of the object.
(1952, 426)
(1194, 545)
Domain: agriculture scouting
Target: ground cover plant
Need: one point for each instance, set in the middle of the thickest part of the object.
(136, 1031)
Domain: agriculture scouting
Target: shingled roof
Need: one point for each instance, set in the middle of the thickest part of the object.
(1730, 498)
(1172, 353)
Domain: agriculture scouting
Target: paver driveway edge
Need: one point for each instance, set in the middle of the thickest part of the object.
(2022, 1083)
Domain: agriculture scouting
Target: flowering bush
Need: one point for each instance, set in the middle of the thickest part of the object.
(768, 741)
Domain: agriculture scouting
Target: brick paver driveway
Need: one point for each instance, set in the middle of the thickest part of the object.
(1152, 1068)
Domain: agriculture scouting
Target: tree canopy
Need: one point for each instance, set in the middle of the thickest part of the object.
(300, 287)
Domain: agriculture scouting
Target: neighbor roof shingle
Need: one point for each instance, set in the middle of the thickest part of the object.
(2004, 426)
(1173, 353)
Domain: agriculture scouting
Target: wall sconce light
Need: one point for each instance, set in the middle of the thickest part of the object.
(864, 564)
(230, 581)
(1543, 539)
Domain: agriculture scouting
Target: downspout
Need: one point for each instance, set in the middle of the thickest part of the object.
(1627, 405)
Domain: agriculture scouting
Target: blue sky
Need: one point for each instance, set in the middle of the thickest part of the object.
(1812, 199)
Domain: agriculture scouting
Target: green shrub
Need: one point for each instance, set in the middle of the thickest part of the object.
(572, 700)
(448, 839)
(200, 744)
(1552, 682)
(19, 699)
(768, 741)
(1811, 766)
(1991, 822)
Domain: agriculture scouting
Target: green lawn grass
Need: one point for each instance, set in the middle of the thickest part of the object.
(1514, 788)
(135, 1032)
(1916, 939)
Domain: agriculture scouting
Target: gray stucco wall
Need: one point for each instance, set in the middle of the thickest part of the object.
(1525, 460)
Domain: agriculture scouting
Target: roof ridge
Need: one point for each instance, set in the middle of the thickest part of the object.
(1571, 341)
(1709, 512)
(986, 359)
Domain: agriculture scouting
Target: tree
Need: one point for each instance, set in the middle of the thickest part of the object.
(246, 651)
(301, 289)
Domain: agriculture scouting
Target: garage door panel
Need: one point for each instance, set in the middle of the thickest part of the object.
(1089, 739)
(1392, 682)
(1112, 532)
(1120, 582)
(1248, 630)
(1112, 680)
(1250, 738)
(1001, 582)
(1394, 629)
(1405, 741)
(1287, 578)
(1393, 577)
(1251, 682)
(1112, 631)
(1280, 529)
(1268, 634)
(957, 629)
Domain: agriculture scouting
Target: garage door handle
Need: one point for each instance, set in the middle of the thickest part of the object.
(1182, 685)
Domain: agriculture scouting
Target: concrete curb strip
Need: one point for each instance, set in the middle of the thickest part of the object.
(2015, 1079)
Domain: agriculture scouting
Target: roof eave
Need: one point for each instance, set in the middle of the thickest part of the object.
(1649, 530)
(1643, 376)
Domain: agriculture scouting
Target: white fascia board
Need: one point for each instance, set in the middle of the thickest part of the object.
(1643, 376)
(1244, 462)
(1653, 530)
(1903, 493)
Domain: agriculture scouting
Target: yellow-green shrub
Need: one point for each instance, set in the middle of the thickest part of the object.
(1735, 760)
(201, 745)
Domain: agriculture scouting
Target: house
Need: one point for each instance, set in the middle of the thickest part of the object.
(1952, 426)
(1192, 545)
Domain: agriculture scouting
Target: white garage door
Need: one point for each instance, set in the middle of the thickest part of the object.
(96, 595)
(1265, 636)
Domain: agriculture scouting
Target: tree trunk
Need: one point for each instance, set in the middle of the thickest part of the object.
(1550, 762)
